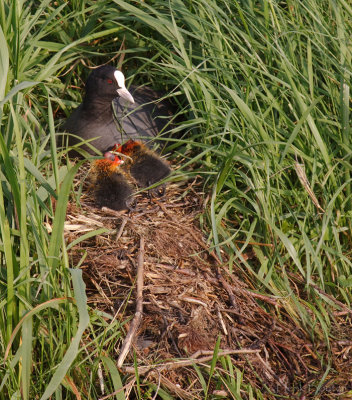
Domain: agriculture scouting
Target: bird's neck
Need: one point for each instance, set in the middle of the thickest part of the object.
(97, 106)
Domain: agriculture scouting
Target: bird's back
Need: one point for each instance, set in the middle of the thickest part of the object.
(144, 119)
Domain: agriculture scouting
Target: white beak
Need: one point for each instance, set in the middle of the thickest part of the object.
(122, 91)
(125, 94)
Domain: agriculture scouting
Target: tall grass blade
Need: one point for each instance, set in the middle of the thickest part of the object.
(59, 220)
(72, 351)
(115, 377)
(4, 63)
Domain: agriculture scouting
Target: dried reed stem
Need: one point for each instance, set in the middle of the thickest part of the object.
(139, 307)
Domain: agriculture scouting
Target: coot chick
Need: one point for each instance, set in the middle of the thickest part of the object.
(111, 185)
(145, 166)
(98, 116)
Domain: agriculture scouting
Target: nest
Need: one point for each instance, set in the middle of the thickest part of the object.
(190, 302)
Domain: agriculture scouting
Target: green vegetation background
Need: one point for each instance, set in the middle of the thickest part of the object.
(264, 87)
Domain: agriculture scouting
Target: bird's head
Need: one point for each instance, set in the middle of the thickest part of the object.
(130, 147)
(107, 82)
(109, 164)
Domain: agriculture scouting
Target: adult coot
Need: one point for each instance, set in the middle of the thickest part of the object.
(110, 113)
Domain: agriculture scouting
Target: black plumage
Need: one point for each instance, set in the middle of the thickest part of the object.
(111, 114)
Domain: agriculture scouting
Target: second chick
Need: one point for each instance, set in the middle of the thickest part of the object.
(145, 166)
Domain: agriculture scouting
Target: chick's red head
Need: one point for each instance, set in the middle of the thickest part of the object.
(109, 164)
(130, 147)
(115, 149)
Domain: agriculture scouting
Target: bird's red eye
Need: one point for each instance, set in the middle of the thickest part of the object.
(109, 81)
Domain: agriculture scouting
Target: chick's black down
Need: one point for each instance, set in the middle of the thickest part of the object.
(113, 191)
(148, 168)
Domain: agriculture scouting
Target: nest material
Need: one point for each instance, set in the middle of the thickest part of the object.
(190, 300)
